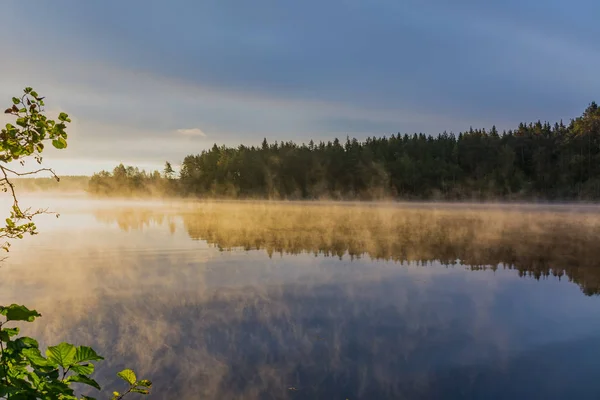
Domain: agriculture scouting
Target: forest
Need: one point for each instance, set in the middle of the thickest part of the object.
(535, 161)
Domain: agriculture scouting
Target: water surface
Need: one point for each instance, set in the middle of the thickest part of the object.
(321, 301)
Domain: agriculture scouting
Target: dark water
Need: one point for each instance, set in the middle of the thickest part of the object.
(291, 302)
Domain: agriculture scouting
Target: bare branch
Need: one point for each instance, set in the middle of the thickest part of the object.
(31, 172)
(11, 186)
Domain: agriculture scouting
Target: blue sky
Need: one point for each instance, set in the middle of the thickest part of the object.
(149, 81)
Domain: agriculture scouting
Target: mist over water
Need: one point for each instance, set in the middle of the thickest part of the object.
(252, 300)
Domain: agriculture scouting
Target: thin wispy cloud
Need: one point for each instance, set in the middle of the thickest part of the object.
(191, 132)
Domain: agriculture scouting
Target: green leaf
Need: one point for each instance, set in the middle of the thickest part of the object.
(8, 391)
(34, 378)
(59, 143)
(128, 376)
(85, 369)
(16, 312)
(48, 372)
(23, 343)
(63, 117)
(35, 357)
(59, 389)
(29, 342)
(84, 353)
(63, 354)
(142, 391)
(144, 382)
(7, 333)
(83, 379)
(16, 100)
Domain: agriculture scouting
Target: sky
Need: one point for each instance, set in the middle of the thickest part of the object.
(150, 81)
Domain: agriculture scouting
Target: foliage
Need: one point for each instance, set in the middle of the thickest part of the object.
(536, 160)
(24, 139)
(169, 172)
(135, 385)
(25, 373)
(130, 181)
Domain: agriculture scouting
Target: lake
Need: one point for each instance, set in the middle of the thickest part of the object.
(251, 300)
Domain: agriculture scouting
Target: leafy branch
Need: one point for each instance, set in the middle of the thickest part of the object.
(25, 373)
(25, 138)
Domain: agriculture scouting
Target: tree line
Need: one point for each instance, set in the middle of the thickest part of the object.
(534, 161)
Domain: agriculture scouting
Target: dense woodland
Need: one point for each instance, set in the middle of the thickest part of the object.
(534, 161)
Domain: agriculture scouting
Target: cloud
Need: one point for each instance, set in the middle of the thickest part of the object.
(191, 132)
(421, 67)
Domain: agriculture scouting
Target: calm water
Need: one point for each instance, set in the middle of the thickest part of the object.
(258, 301)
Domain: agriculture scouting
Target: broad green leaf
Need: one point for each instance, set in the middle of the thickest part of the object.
(22, 343)
(145, 383)
(16, 100)
(63, 354)
(7, 333)
(142, 391)
(83, 379)
(59, 389)
(48, 372)
(16, 312)
(63, 117)
(34, 378)
(84, 353)
(85, 369)
(28, 342)
(35, 357)
(59, 143)
(128, 376)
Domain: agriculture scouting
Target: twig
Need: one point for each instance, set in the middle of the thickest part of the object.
(31, 172)
(125, 394)
(12, 188)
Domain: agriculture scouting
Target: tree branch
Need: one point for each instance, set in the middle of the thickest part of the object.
(11, 186)
(31, 172)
